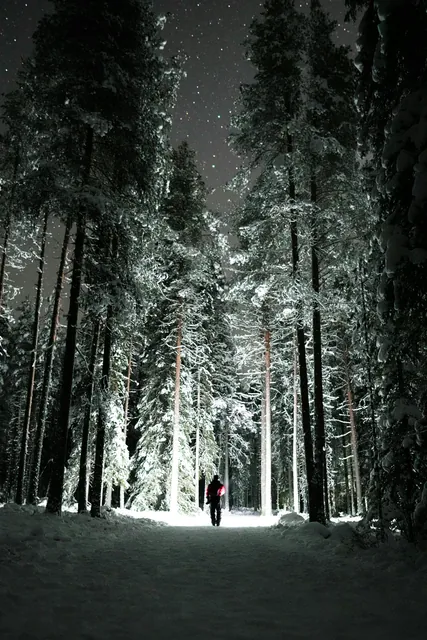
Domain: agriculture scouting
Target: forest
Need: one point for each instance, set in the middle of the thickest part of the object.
(281, 343)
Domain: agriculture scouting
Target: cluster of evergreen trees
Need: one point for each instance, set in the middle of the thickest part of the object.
(301, 374)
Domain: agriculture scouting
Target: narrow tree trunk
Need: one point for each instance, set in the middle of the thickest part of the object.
(101, 422)
(197, 451)
(319, 417)
(314, 498)
(20, 489)
(267, 505)
(56, 487)
(226, 472)
(375, 451)
(354, 447)
(175, 438)
(295, 436)
(262, 483)
(48, 366)
(83, 487)
(98, 472)
(125, 417)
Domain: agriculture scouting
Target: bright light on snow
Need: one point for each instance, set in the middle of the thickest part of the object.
(228, 520)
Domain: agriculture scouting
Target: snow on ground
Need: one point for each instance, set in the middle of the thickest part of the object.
(76, 578)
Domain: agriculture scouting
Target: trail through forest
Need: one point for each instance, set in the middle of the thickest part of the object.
(80, 578)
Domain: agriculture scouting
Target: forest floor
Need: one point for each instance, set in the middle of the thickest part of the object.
(76, 578)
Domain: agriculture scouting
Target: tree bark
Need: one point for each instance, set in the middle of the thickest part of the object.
(175, 437)
(22, 469)
(197, 448)
(48, 366)
(262, 479)
(295, 435)
(125, 416)
(314, 498)
(83, 487)
(354, 447)
(56, 487)
(226, 473)
(319, 416)
(267, 504)
(98, 472)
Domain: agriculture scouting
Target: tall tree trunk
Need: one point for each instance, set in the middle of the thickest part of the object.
(226, 472)
(48, 366)
(83, 486)
(295, 435)
(354, 447)
(267, 504)
(7, 230)
(375, 451)
(175, 438)
(262, 479)
(197, 451)
(319, 417)
(125, 416)
(314, 497)
(98, 472)
(20, 489)
(56, 487)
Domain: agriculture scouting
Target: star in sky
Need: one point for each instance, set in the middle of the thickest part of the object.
(210, 33)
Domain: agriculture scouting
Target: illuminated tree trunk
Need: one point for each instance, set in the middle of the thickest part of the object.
(295, 436)
(175, 437)
(226, 473)
(354, 447)
(20, 489)
(48, 366)
(83, 487)
(98, 470)
(197, 451)
(267, 464)
(262, 483)
(56, 487)
(125, 416)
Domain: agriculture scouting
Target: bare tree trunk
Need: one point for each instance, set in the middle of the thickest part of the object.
(48, 366)
(175, 438)
(319, 417)
(83, 487)
(56, 487)
(295, 436)
(20, 489)
(98, 472)
(267, 504)
(125, 417)
(354, 447)
(227, 473)
(262, 483)
(197, 452)
(314, 497)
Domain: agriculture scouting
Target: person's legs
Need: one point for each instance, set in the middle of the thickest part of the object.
(212, 510)
(218, 513)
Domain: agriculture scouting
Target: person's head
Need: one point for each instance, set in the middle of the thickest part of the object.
(216, 478)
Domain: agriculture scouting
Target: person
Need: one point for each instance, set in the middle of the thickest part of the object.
(213, 498)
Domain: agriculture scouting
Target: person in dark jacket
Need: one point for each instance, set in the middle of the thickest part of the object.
(213, 498)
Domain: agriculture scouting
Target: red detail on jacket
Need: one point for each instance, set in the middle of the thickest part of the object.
(213, 491)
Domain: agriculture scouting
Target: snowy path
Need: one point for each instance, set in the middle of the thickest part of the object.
(60, 579)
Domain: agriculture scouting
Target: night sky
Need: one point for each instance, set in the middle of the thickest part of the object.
(210, 32)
